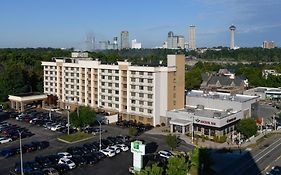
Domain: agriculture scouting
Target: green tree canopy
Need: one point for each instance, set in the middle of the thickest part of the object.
(87, 116)
(172, 141)
(133, 131)
(247, 127)
(177, 166)
(151, 170)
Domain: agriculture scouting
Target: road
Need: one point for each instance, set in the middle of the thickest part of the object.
(259, 158)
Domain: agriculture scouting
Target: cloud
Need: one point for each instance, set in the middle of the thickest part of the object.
(257, 29)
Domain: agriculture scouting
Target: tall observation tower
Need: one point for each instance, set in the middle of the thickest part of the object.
(232, 29)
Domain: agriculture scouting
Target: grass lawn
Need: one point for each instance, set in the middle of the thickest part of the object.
(75, 137)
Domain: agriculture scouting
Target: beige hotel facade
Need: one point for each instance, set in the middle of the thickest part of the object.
(139, 93)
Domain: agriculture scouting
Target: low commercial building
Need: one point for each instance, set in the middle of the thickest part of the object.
(265, 93)
(211, 114)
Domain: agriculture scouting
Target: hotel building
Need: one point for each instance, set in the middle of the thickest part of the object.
(138, 93)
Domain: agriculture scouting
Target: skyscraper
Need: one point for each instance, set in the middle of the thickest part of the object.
(124, 43)
(172, 41)
(135, 44)
(181, 41)
(232, 29)
(268, 45)
(192, 37)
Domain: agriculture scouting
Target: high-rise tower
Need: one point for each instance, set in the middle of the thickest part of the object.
(124, 43)
(232, 29)
(192, 37)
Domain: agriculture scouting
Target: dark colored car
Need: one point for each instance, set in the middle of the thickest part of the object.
(29, 147)
(43, 161)
(35, 165)
(99, 155)
(90, 159)
(8, 152)
(26, 167)
(61, 168)
(78, 160)
(74, 151)
(54, 158)
(41, 145)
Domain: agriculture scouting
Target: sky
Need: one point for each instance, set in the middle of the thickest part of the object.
(66, 23)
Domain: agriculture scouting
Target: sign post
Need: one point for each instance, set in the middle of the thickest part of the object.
(138, 149)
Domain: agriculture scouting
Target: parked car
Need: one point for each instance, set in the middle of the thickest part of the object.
(67, 162)
(165, 154)
(34, 165)
(50, 171)
(123, 147)
(65, 155)
(41, 145)
(79, 160)
(43, 161)
(108, 152)
(5, 140)
(115, 148)
(8, 152)
(26, 167)
(90, 159)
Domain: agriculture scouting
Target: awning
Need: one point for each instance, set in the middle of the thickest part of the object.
(180, 122)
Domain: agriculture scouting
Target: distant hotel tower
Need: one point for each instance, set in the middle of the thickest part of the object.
(124, 40)
(192, 37)
(232, 29)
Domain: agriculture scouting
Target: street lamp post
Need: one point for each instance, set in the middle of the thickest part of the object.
(100, 133)
(21, 161)
(68, 124)
(192, 130)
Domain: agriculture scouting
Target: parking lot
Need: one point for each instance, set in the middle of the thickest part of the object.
(116, 165)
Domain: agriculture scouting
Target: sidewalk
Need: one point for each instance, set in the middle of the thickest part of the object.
(207, 143)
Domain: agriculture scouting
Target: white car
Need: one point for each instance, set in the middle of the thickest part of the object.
(67, 162)
(108, 152)
(123, 147)
(115, 148)
(165, 154)
(65, 155)
(5, 140)
(55, 127)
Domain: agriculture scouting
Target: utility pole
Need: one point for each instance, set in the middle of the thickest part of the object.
(68, 124)
(192, 130)
(21, 161)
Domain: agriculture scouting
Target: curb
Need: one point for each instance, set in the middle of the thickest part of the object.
(65, 141)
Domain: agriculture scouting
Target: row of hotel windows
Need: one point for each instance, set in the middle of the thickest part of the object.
(141, 102)
(51, 72)
(149, 111)
(109, 91)
(50, 78)
(109, 105)
(141, 80)
(149, 88)
(110, 98)
(133, 94)
(141, 73)
(109, 71)
(109, 77)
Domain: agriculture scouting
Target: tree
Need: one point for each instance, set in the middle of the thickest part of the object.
(133, 131)
(247, 127)
(153, 170)
(172, 141)
(87, 116)
(177, 166)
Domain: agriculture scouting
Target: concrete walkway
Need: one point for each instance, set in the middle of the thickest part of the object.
(206, 143)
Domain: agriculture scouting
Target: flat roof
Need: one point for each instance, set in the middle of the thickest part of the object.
(221, 96)
(208, 113)
(28, 94)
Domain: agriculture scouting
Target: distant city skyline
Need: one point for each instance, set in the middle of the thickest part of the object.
(66, 23)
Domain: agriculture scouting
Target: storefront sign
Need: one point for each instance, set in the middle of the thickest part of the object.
(138, 149)
(205, 122)
(230, 120)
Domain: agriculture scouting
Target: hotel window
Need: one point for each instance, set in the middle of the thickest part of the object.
(116, 85)
(103, 77)
(109, 98)
(125, 86)
(72, 68)
(46, 83)
(102, 103)
(109, 71)
(116, 99)
(149, 96)
(149, 103)
(133, 101)
(109, 105)
(109, 77)
(117, 92)
(72, 74)
(102, 83)
(149, 88)
(141, 87)
(133, 80)
(116, 71)
(109, 91)
(141, 95)
(46, 89)
(141, 73)
(149, 80)
(149, 73)
(102, 97)
(110, 84)
(133, 108)
(102, 70)
(133, 94)
(66, 73)
(72, 86)
(133, 87)
(117, 78)
(141, 109)
(141, 102)
(72, 80)
(46, 72)
(141, 80)
(102, 90)
(116, 106)
(133, 72)
(149, 111)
